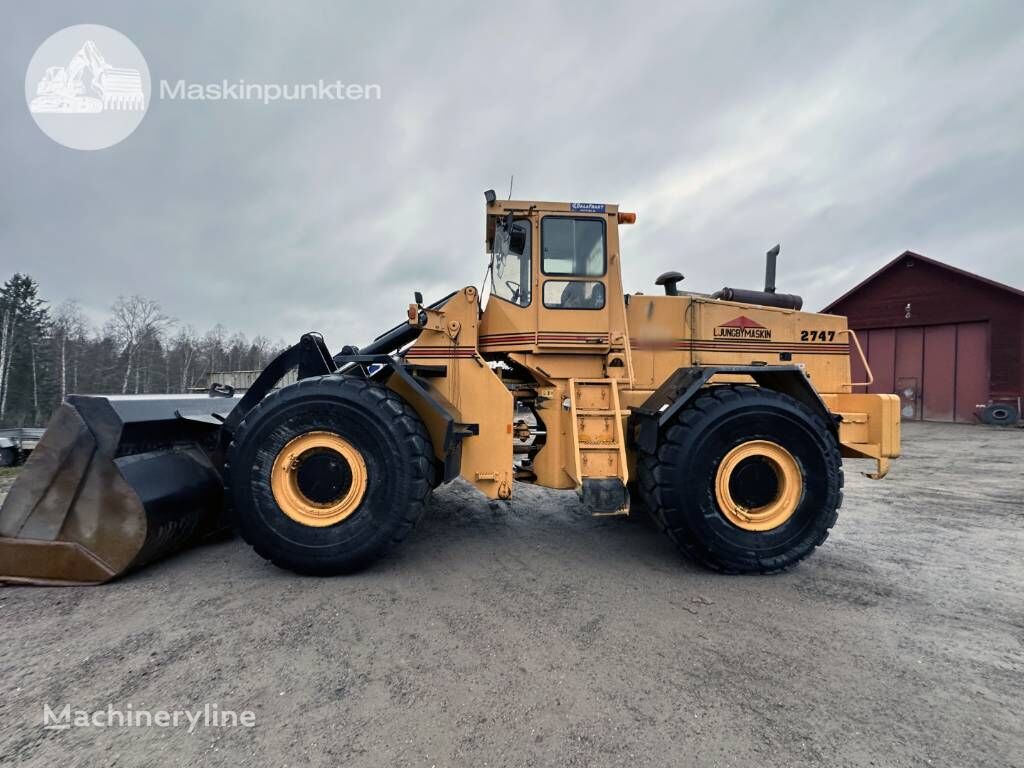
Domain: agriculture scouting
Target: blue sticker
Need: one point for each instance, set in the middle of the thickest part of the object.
(587, 207)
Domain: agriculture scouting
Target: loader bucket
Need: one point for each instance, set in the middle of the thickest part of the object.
(115, 483)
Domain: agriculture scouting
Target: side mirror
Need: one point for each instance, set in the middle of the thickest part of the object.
(517, 239)
(512, 236)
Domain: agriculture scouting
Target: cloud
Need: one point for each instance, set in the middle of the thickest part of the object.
(848, 132)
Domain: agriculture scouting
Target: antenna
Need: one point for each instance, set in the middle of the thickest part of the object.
(510, 181)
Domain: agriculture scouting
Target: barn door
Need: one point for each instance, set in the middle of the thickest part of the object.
(939, 377)
(971, 369)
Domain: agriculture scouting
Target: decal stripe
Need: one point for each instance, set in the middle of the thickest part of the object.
(702, 345)
(766, 347)
(441, 352)
(710, 346)
(550, 337)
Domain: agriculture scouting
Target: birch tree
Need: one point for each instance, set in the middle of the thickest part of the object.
(70, 331)
(133, 320)
(185, 349)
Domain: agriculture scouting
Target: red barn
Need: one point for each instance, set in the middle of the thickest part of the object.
(950, 343)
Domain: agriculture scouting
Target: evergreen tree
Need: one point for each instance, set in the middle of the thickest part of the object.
(24, 372)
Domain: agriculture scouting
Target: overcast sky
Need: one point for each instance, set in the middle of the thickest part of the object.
(847, 131)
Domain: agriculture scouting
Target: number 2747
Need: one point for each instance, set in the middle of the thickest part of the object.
(817, 335)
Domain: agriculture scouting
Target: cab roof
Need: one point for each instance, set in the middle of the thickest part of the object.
(581, 207)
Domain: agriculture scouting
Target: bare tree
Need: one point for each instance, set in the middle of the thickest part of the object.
(70, 329)
(35, 383)
(186, 348)
(133, 321)
(259, 352)
(238, 345)
(213, 348)
(6, 344)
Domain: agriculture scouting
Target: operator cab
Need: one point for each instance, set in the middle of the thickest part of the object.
(546, 258)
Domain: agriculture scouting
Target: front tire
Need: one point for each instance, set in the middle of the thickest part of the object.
(326, 475)
(744, 480)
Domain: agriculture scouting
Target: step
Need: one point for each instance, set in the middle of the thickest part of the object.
(599, 440)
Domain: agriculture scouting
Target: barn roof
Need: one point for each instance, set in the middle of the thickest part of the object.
(947, 267)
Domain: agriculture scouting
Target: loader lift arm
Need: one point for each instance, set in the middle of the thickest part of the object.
(312, 358)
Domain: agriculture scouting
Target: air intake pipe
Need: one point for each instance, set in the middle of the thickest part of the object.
(768, 297)
(783, 300)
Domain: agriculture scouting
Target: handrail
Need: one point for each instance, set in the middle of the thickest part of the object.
(863, 359)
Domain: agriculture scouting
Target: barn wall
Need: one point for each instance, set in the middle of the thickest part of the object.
(938, 296)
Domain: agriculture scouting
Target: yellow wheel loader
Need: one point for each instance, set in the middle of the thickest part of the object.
(725, 416)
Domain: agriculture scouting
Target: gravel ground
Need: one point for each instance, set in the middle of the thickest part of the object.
(533, 634)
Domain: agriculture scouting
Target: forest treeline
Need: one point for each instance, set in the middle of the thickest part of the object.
(47, 352)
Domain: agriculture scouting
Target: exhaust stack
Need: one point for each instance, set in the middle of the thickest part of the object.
(769, 269)
(766, 298)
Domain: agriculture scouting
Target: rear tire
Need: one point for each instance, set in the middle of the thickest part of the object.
(391, 472)
(683, 486)
(8, 457)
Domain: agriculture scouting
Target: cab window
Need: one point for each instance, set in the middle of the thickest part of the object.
(511, 263)
(573, 246)
(573, 294)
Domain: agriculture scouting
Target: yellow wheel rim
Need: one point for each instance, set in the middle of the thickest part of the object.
(290, 484)
(775, 502)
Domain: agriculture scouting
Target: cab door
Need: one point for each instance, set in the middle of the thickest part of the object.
(573, 283)
(509, 319)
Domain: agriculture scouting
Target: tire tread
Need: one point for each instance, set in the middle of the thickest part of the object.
(375, 397)
(655, 472)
